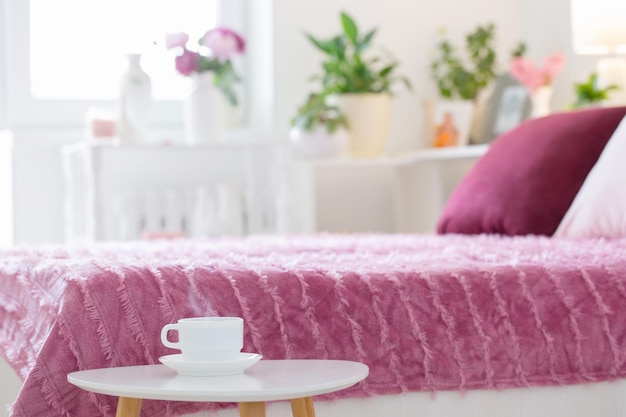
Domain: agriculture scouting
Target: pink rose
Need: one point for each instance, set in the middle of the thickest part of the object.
(175, 40)
(224, 43)
(188, 62)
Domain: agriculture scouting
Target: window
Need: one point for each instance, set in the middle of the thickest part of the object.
(6, 187)
(84, 57)
(63, 56)
(3, 60)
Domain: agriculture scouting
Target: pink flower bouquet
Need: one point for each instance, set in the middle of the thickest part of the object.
(525, 71)
(214, 52)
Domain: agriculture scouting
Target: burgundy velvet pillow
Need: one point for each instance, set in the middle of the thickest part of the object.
(529, 177)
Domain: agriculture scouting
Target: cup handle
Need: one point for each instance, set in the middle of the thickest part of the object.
(164, 338)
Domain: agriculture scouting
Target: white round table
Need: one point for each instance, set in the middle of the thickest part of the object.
(268, 380)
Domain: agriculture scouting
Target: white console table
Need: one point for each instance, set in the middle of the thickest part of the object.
(128, 192)
(402, 194)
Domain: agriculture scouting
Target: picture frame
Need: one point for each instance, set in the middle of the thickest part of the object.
(508, 106)
(451, 122)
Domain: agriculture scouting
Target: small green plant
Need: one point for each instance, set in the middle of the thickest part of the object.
(459, 78)
(348, 69)
(588, 92)
(519, 51)
(317, 112)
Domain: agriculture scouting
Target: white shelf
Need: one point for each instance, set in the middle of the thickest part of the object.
(399, 194)
(421, 155)
(129, 191)
(441, 154)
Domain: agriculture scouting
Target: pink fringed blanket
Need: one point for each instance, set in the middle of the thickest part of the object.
(424, 312)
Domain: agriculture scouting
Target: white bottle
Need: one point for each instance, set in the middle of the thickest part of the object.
(134, 104)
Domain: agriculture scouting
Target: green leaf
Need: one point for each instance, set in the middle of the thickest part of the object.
(406, 83)
(317, 112)
(588, 92)
(365, 43)
(339, 47)
(386, 71)
(346, 70)
(519, 50)
(349, 28)
(327, 47)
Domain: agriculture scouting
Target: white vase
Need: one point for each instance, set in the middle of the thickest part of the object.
(318, 143)
(540, 101)
(368, 117)
(204, 111)
(135, 99)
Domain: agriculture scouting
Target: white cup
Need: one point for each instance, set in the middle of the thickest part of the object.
(206, 338)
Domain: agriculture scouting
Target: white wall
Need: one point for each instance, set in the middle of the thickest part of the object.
(6, 189)
(407, 28)
(3, 59)
(38, 185)
(546, 27)
(259, 65)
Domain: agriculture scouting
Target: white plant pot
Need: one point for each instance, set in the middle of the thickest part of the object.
(204, 111)
(368, 117)
(318, 143)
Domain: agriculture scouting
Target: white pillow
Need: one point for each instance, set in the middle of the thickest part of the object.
(599, 209)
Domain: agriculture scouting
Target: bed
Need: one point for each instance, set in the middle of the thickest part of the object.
(452, 315)
(515, 309)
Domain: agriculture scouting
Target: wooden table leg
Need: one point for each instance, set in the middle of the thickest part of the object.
(252, 409)
(128, 407)
(302, 407)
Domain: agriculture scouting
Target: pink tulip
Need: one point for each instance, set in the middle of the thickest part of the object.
(554, 65)
(524, 71)
(188, 62)
(223, 43)
(175, 40)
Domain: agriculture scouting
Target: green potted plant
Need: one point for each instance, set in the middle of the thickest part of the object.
(463, 78)
(318, 129)
(589, 94)
(462, 75)
(361, 83)
(317, 112)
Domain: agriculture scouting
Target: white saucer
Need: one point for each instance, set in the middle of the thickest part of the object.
(210, 368)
